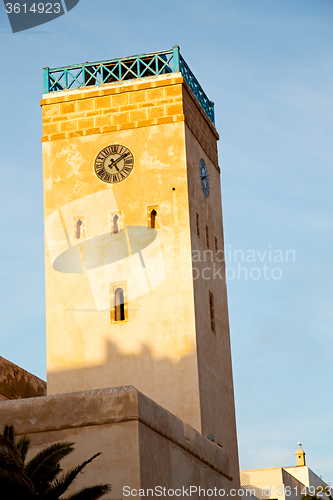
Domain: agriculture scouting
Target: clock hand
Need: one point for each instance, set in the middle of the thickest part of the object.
(120, 158)
(113, 163)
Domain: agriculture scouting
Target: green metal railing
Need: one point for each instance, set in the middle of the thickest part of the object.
(126, 68)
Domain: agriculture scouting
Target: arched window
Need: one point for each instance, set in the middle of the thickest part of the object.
(115, 224)
(78, 228)
(119, 306)
(153, 214)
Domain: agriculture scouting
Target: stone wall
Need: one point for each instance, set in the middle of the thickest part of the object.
(16, 383)
(142, 444)
(111, 108)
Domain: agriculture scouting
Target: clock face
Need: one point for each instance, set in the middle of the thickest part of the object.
(204, 177)
(114, 163)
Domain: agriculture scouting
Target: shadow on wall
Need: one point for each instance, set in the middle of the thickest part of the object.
(166, 382)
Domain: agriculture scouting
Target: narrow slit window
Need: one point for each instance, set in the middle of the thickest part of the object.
(153, 214)
(115, 224)
(207, 237)
(79, 225)
(212, 314)
(215, 244)
(197, 223)
(119, 305)
(78, 228)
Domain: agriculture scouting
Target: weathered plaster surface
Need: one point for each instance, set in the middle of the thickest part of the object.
(165, 347)
(155, 349)
(142, 444)
(16, 383)
(213, 347)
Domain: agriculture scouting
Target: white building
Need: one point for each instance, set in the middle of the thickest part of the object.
(281, 483)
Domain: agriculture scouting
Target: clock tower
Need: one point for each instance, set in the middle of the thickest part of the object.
(135, 277)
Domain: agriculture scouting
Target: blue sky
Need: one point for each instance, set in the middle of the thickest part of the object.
(267, 65)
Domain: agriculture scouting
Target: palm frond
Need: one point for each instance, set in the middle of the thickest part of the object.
(92, 493)
(8, 433)
(41, 467)
(8, 465)
(61, 485)
(12, 473)
(40, 476)
(46, 484)
(23, 445)
(12, 490)
(9, 449)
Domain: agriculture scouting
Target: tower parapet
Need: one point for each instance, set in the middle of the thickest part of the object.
(126, 68)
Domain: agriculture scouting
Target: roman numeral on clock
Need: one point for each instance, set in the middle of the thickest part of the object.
(105, 177)
(111, 158)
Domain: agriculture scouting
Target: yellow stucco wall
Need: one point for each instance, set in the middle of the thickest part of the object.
(112, 107)
(165, 347)
(156, 347)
